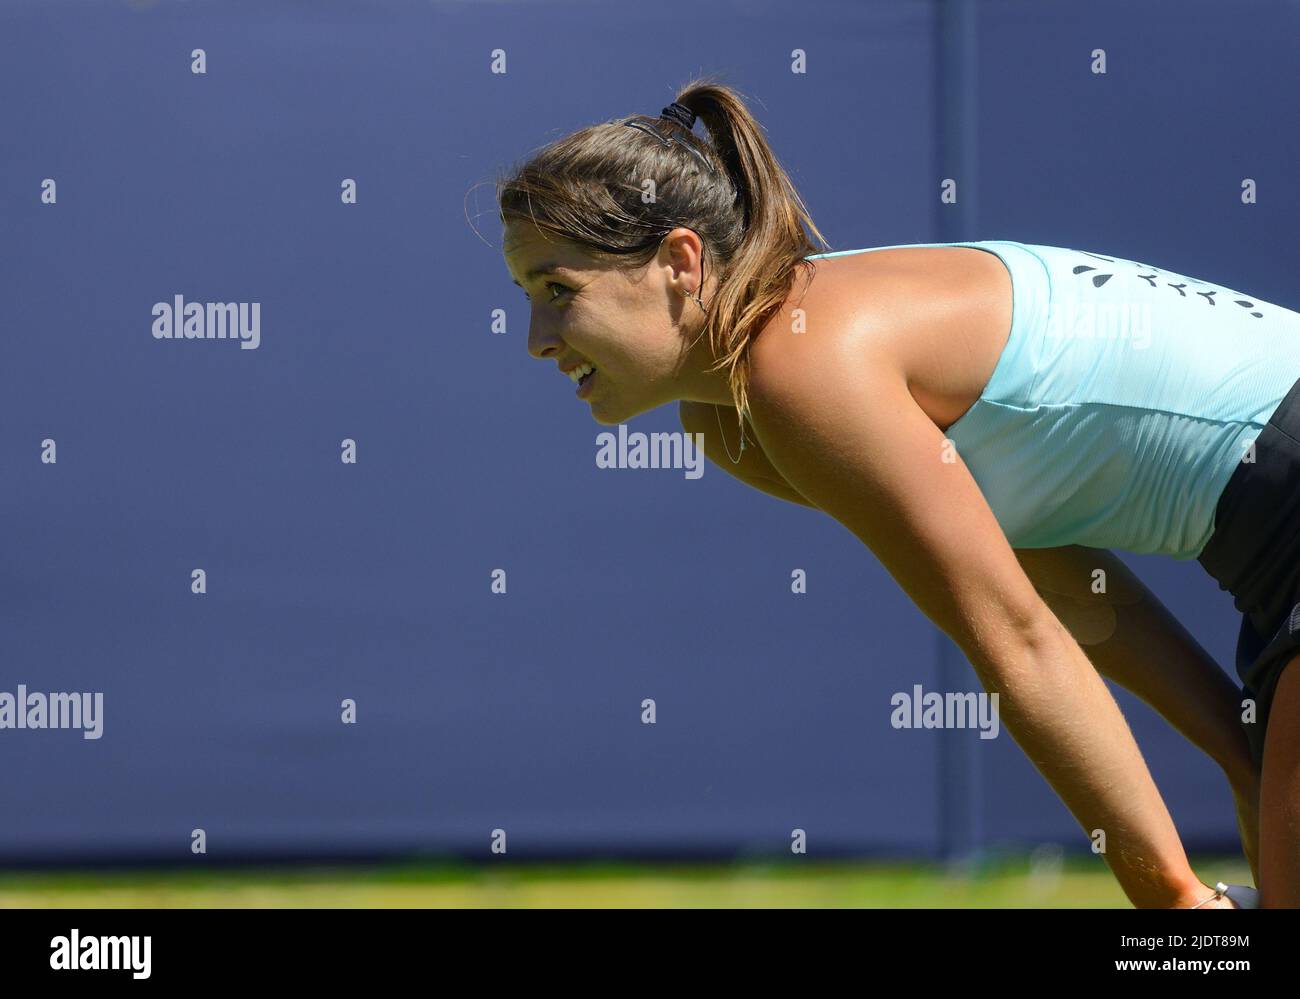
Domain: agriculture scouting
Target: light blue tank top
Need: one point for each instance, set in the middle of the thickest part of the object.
(1122, 402)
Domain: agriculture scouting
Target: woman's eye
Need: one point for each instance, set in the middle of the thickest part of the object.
(549, 285)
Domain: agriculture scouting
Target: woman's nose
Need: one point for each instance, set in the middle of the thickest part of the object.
(541, 343)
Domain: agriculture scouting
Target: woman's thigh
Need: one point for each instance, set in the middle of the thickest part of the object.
(1279, 796)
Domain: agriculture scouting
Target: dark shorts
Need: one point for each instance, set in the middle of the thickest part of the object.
(1254, 553)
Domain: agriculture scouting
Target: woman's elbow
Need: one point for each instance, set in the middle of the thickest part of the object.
(1008, 634)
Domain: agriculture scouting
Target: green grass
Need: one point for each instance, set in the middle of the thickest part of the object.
(1000, 882)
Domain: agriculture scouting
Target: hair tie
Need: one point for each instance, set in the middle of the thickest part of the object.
(681, 114)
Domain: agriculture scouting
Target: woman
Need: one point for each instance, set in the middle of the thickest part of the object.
(989, 418)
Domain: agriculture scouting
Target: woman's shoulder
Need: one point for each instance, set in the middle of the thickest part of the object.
(938, 316)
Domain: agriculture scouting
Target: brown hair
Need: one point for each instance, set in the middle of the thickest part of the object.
(587, 188)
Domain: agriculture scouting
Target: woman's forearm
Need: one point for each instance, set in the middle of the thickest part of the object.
(1148, 651)
(1155, 657)
(1133, 639)
(1062, 715)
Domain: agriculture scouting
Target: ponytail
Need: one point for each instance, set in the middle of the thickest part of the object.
(586, 188)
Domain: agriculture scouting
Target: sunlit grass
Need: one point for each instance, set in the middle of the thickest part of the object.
(1012, 882)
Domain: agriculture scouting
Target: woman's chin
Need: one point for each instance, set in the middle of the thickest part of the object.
(603, 414)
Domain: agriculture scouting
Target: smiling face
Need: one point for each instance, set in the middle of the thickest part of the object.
(634, 327)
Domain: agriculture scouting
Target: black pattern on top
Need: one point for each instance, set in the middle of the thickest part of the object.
(1099, 278)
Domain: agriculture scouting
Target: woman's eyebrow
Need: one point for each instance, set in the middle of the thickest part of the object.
(539, 271)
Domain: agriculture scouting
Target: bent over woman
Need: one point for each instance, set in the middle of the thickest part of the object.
(991, 418)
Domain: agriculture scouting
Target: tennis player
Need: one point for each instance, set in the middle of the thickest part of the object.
(992, 419)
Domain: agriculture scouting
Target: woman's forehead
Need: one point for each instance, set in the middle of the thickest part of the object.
(530, 254)
(523, 236)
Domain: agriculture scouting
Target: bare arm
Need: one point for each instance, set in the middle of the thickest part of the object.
(1131, 637)
(1126, 632)
(850, 437)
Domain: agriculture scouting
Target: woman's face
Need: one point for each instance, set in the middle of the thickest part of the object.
(631, 326)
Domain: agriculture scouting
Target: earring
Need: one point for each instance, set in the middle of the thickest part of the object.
(695, 299)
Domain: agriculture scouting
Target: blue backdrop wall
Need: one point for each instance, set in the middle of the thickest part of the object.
(372, 581)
